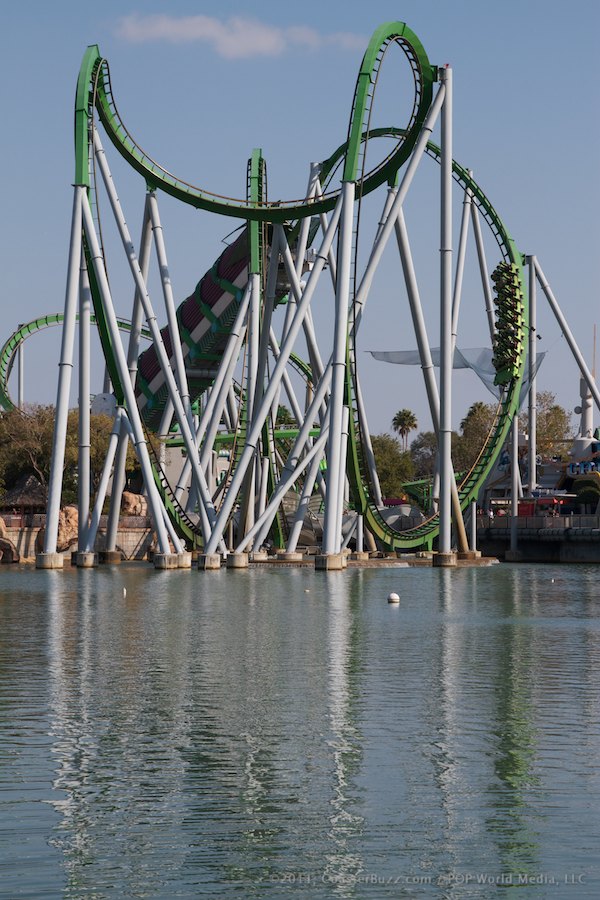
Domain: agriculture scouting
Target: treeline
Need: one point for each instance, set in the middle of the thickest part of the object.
(26, 448)
(398, 463)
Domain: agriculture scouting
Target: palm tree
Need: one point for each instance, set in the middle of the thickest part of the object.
(403, 423)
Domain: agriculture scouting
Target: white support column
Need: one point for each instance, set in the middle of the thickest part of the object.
(483, 270)
(324, 226)
(295, 463)
(113, 441)
(359, 534)
(331, 534)
(264, 480)
(139, 439)
(84, 468)
(309, 483)
(210, 418)
(515, 485)
(368, 446)
(296, 287)
(161, 253)
(219, 396)
(137, 317)
(342, 475)
(207, 511)
(425, 357)
(460, 263)
(532, 437)
(473, 524)
(445, 435)
(418, 320)
(272, 387)
(385, 230)
(64, 384)
(261, 527)
(587, 375)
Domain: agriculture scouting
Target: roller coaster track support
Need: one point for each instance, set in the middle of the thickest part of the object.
(230, 328)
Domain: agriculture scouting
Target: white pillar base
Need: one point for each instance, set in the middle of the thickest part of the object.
(445, 560)
(166, 560)
(237, 561)
(208, 561)
(86, 560)
(184, 560)
(49, 561)
(331, 562)
(291, 556)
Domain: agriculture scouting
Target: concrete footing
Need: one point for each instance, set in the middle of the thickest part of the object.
(86, 559)
(361, 555)
(258, 556)
(330, 562)
(166, 560)
(49, 561)
(110, 557)
(208, 561)
(445, 560)
(292, 556)
(469, 554)
(237, 561)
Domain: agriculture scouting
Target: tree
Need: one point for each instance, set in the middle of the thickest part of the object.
(26, 444)
(474, 432)
(394, 465)
(284, 416)
(423, 452)
(26, 447)
(554, 430)
(403, 423)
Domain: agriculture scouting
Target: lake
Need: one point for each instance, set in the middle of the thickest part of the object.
(278, 732)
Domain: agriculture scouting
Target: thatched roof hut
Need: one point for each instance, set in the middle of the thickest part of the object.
(27, 495)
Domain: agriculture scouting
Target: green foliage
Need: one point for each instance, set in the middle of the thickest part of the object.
(474, 432)
(284, 416)
(394, 465)
(26, 447)
(588, 491)
(423, 453)
(554, 430)
(553, 434)
(465, 447)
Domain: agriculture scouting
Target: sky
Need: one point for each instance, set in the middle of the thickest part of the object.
(202, 84)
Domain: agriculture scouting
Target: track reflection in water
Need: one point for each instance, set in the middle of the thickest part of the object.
(269, 732)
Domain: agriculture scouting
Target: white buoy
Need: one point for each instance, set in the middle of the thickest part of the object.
(124, 592)
(393, 598)
(307, 590)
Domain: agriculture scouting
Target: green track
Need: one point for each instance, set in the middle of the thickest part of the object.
(95, 96)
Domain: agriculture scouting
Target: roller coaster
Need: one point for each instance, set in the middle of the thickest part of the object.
(246, 336)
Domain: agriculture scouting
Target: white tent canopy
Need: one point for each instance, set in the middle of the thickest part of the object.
(479, 359)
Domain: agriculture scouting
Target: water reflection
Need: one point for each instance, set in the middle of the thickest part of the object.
(227, 734)
(343, 860)
(516, 744)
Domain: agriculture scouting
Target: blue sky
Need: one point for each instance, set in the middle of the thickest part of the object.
(201, 84)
